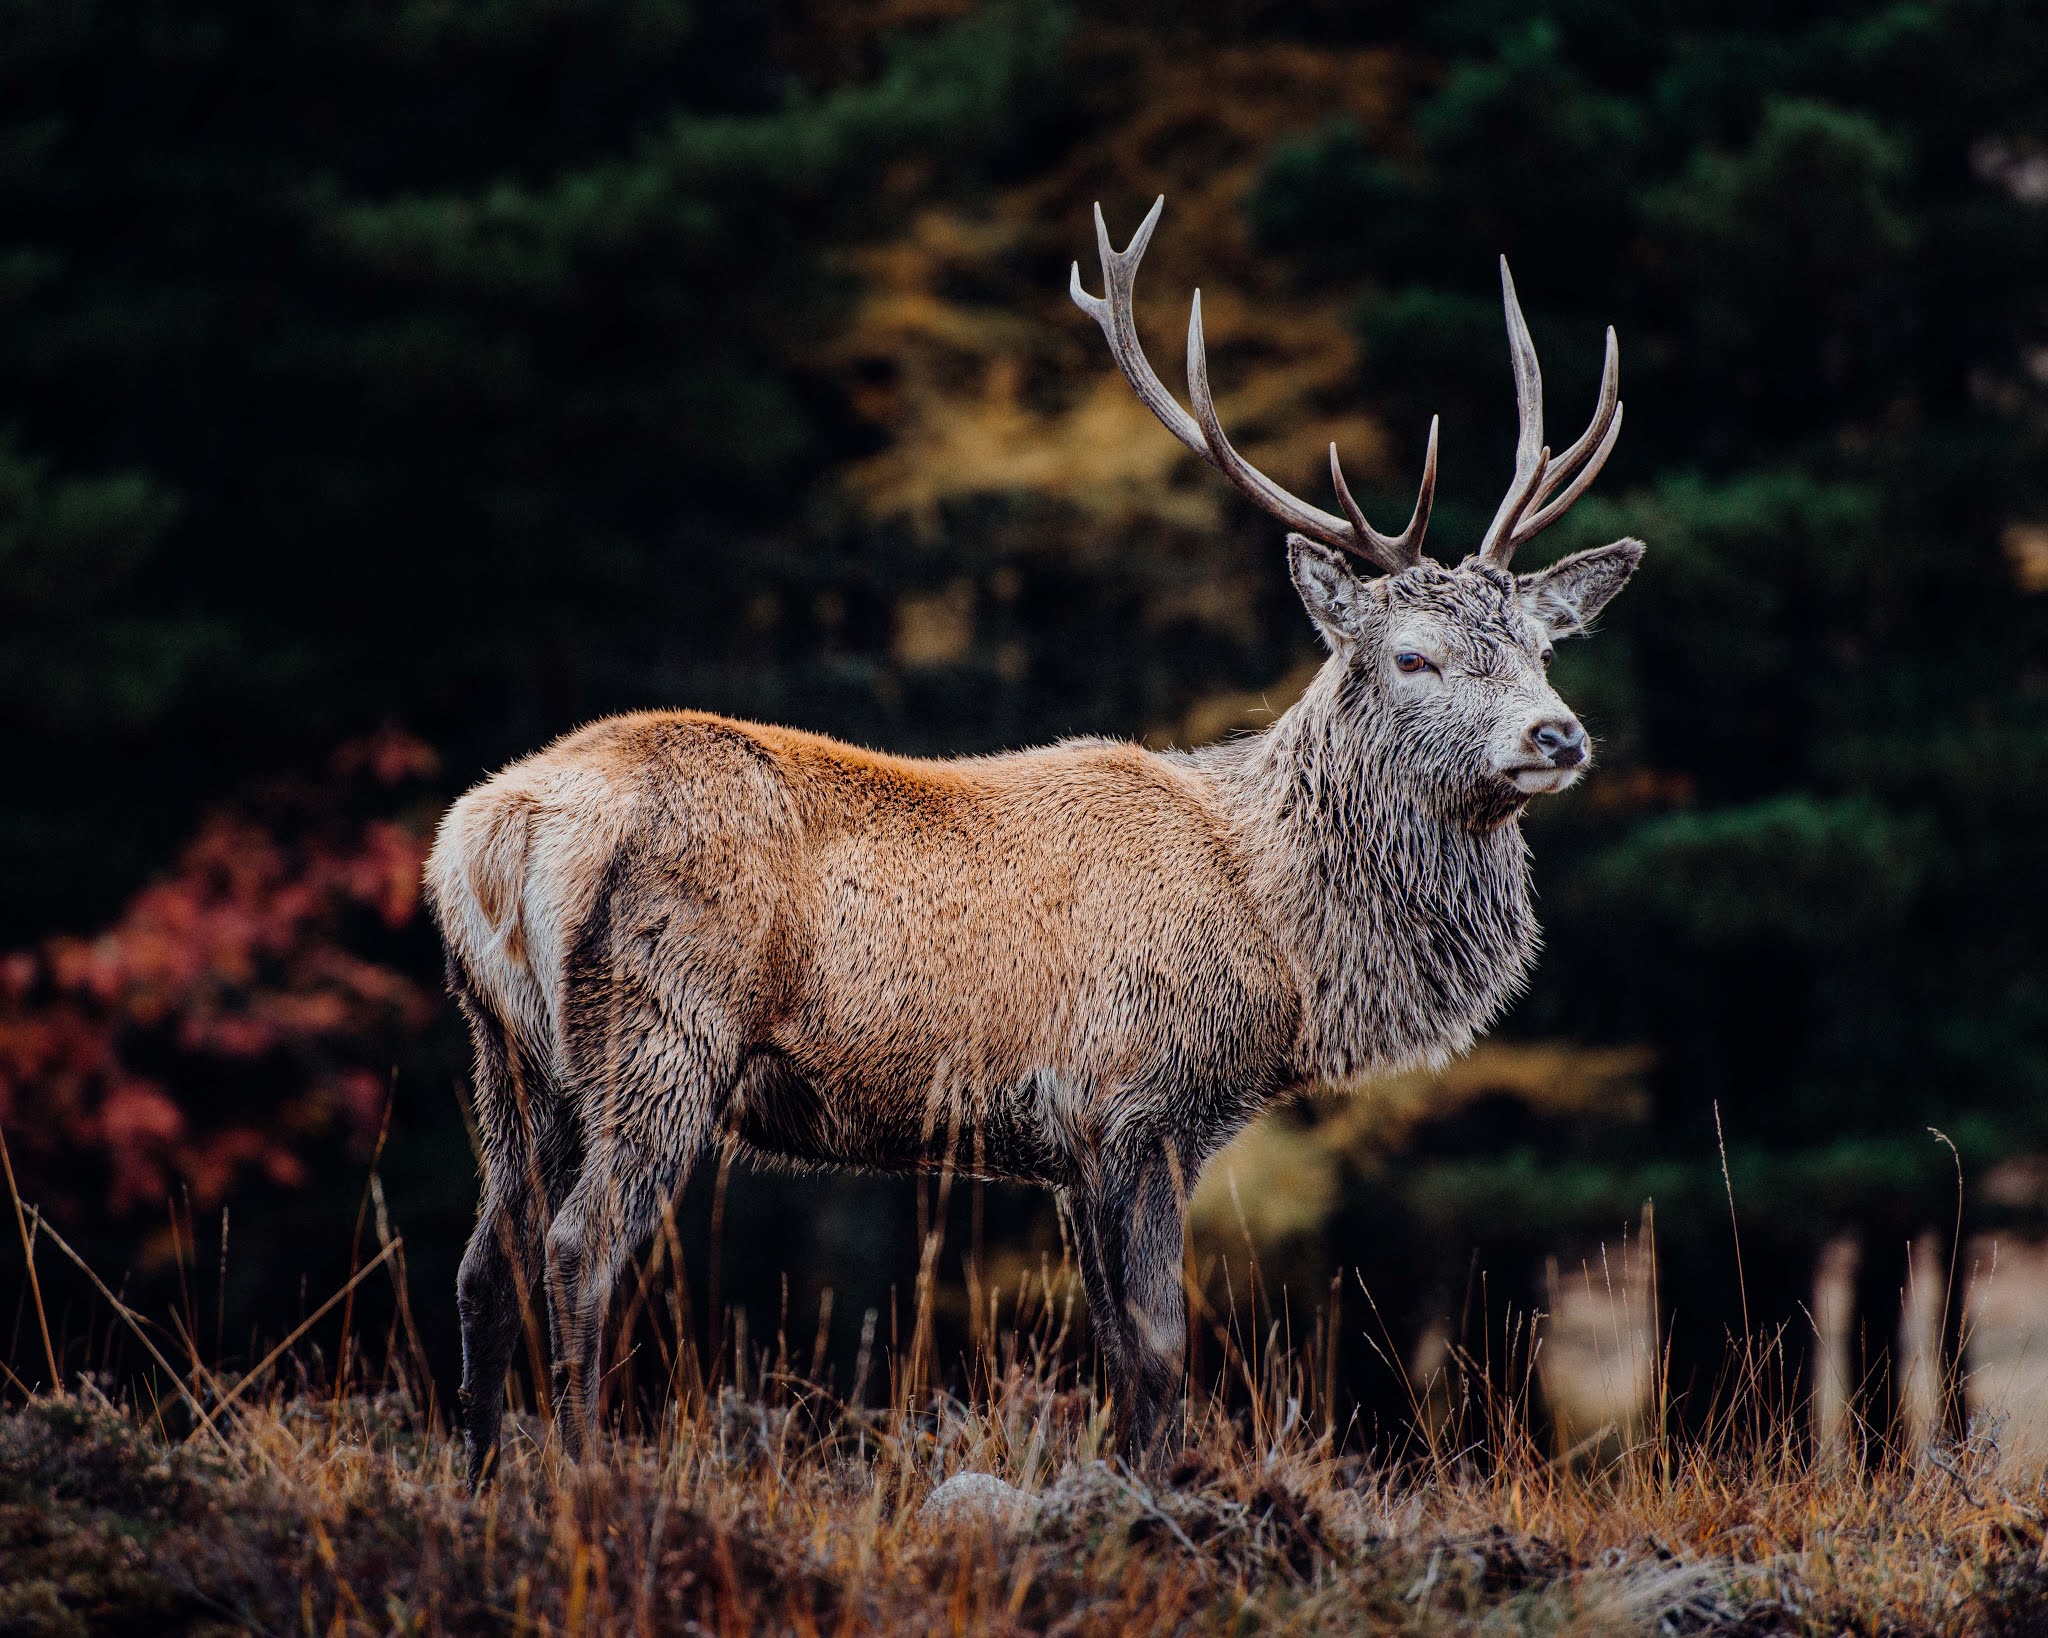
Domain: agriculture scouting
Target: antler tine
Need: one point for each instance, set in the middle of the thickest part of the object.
(1536, 474)
(1114, 312)
(1603, 414)
(1529, 528)
(1497, 545)
(1528, 373)
(1408, 543)
(1203, 432)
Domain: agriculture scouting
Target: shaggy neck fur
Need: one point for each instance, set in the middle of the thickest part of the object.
(1408, 932)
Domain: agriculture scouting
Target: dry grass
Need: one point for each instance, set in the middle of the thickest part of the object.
(286, 1498)
(781, 1509)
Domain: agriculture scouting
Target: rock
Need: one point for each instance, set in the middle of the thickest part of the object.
(978, 1498)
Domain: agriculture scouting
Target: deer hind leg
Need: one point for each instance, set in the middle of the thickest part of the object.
(660, 1074)
(528, 1156)
(1131, 1221)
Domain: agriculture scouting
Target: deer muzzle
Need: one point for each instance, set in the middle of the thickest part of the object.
(1550, 756)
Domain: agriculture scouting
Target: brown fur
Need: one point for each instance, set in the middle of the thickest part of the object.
(899, 946)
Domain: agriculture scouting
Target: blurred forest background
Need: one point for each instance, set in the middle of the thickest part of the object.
(387, 386)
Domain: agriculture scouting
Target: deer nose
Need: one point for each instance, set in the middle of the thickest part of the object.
(1559, 740)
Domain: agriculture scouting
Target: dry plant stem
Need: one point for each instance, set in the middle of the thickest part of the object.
(133, 1321)
(355, 1243)
(1955, 1239)
(1728, 1183)
(714, 1296)
(201, 1376)
(180, 1262)
(220, 1299)
(256, 1372)
(28, 1252)
(401, 1287)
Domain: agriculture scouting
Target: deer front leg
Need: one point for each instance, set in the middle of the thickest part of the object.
(1131, 1222)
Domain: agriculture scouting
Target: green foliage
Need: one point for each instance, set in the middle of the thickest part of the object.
(67, 546)
(1793, 869)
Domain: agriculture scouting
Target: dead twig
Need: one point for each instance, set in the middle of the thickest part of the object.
(308, 1323)
(28, 1252)
(133, 1321)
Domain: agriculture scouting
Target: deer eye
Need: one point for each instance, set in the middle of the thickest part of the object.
(1547, 656)
(1411, 662)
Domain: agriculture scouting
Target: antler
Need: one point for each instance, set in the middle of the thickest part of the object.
(1202, 432)
(1524, 514)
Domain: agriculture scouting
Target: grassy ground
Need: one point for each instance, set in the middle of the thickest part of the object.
(282, 1499)
(780, 1511)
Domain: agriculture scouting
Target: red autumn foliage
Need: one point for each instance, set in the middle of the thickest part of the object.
(244, 1007)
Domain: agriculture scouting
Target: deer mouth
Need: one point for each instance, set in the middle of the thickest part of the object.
(1541, 778)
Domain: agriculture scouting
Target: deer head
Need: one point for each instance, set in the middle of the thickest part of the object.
(1448, 663)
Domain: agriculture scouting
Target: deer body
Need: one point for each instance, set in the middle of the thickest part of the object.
(880, 962)
(1085, 966)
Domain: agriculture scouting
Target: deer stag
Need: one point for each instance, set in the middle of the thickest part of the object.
(1085, 966)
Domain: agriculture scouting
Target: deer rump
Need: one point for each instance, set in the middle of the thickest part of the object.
(689, 928)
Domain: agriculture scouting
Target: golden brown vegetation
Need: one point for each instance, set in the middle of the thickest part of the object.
(979, 375)
(769, 1504)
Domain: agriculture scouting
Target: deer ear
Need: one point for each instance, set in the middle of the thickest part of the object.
(1334, 595)
(1566, 596)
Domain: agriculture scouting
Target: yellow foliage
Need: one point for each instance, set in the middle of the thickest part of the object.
(1008, 390)
(1292, 1169)
(1276, 1181)
(2026, 549)
(1553, 1077)
(936, 628)
(1214, 716)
